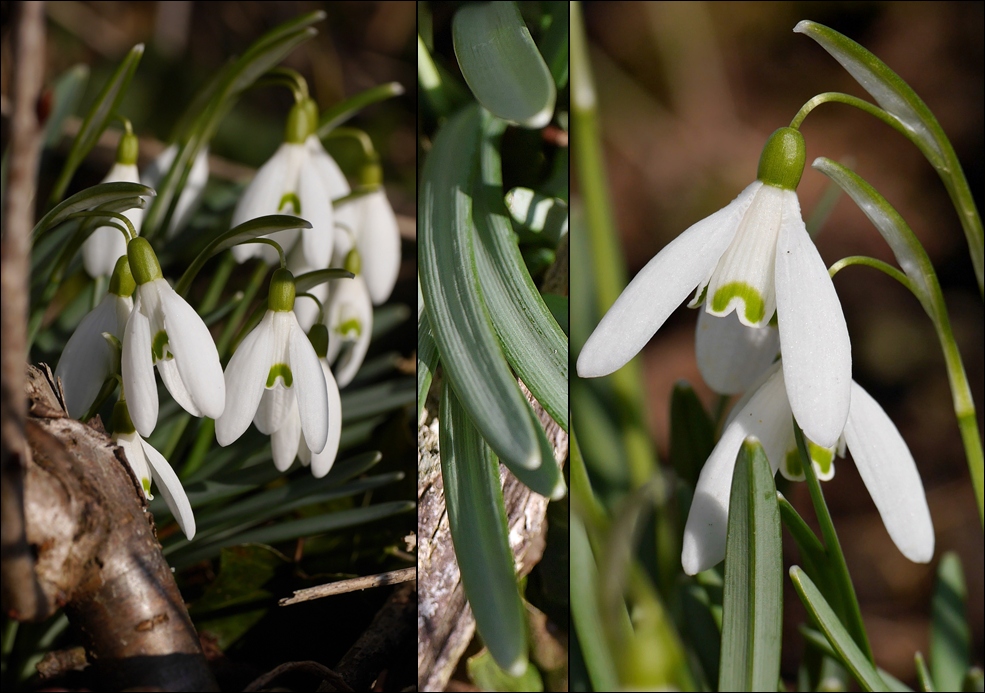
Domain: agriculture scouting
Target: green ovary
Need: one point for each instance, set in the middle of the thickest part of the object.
(282, 371)
(755, 308)
(292, 200)
(159, 347)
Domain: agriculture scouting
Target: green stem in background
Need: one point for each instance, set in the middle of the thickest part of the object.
(257, 281)
(849, 613)
(609, 272)
(219, 280)
(361, 138)
(866, 261)
(430, 81)
(341, 112)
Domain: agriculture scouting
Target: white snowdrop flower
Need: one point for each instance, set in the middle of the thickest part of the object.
(106, 244)
(198, 176)
(349, 316)
(751, 257)
(881, 456)
(148, 464)
(88, 358)
(274, 365)
(305, 308)
(164, 331)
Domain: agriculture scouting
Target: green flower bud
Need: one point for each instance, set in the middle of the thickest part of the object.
(143, 261)
(127, 150)
(299, 124)
(318, 336)
(282, 291)
(121, 283)
(119, 421)
(311, 108)
(371, 174)
(782, 162)
(353, 263)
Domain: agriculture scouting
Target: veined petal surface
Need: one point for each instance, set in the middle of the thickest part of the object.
(245, 378)
(321, 463)
(137, 366)
(659, 288)
(316, 208)
(310, 388)
(817, 353)
(285, 440)
(351, 306)
(379, 246)
(887, 468)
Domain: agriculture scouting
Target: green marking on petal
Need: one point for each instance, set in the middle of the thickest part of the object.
(282, 371)
(145, 483)
(159, 347)
(350, 327)
(292, 200)
(755, 307)
(792, 468)
(823, 460)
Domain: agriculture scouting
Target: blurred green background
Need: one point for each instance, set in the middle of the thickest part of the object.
(688, 94)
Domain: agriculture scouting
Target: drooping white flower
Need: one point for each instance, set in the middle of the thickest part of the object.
(88, 358)
(198, 176)
(147, 464)
(349, 317)
(751, 256)
(881, 456)
(378, 241)
(164, 331)
(290, 183)
(106, 244)
(274, 365)
(288, 441)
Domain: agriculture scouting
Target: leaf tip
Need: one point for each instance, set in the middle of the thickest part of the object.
(803, 26)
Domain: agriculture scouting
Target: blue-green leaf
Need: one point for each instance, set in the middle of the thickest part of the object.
(950, 637)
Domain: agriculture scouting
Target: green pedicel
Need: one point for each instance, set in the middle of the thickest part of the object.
(121, 283)
(782, 162)
(318, 336)
(282, 291)
(143, 261)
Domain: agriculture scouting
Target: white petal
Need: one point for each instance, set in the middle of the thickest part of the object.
(659, 288)
(262, 197)
(732, 356)
(321, 463)
(138, 372)
(765, 417)
(134, 451)
(168, 369)
(330, 175)
(245, 377)
(316, 208)
(309, 384)
(275, 406)
(351, 303)
(195, 354)
(379, 246)
(886, 466)
(198, 177)
(304, 308)
(170, 487)
(101, 251)
(87, 359)
(817, 353)
(285, 440)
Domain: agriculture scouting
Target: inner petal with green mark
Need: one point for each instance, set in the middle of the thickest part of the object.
(145, 484)
(292, 200)
(752, 300)
(351, 328)
(159, 347)
(822, 458)
(282, 371)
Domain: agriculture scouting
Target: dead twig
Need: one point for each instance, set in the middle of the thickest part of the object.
(360, 583)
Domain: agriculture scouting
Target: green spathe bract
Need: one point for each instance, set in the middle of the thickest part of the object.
(143, 261)
(121, 282)
(782, 161)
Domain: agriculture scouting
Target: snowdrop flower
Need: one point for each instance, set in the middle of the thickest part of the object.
(290, 182)
(164, 331)
(305, 308)
(274, 365)
(288, 441)
(883, 460)
(106, 244)
(377, 235)
(751, 257)
(349, 317)
(198, 176)
(147, 463)
(89, 359)
(730, 355)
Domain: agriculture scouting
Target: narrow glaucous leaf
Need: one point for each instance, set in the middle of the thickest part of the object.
(692, 432)
(378, 398)
(817, 639)
(477, 519)
(585, 611)
(66, 95)
(538, 216)
(97, 118)
(822, 613)
(248, 230)
(547, 479)
(90, 198)
(309, 280)
(341, 112)
(923, 674)
(502, 65)
(950, 638)
(533, 342)
(752, 621)
(488, 676)
(469, 351)
(427, 359)
(554, 41)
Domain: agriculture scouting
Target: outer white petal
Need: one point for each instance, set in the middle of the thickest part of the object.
(378, 241)
(886, 466)
(316, 207)
(87, 359)
(329, 173)
(170, 487)
(322, 462)
(659, 288)
(134, 451)
(194, 352)
(351, 301)
(309, 384)
(275, 401)
(262, 197)
(168, 368)
(766, 417)
(286, 439)
(245, 378)
(106, 244)
(732, 356)
(137, 365)
(817, 353)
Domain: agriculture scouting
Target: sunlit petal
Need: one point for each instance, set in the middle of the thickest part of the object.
(378, 241)
(309, 384)
(732, 356)
(284, 441)
(322, 462)
(170, 487)
(245, 377)
(137, 365)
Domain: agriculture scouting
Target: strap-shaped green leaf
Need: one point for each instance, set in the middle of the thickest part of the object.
(341, 112)
(427, 359)
(96, 196)
(502, 65)
(950, 637)
(589, 625)
(477, 519)
(546, 479)
(97, 118)
(822, 613)
(531, 338)
(309, 280)
(554, 41)
(752, 622)
(470, 352)
(66, 94)
(692, 432)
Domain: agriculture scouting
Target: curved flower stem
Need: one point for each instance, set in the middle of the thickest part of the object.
(361, 138)
(129, 233)
(941, 155)
(275, 245)
(850, 613)
(883, 267)
(257, 281)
